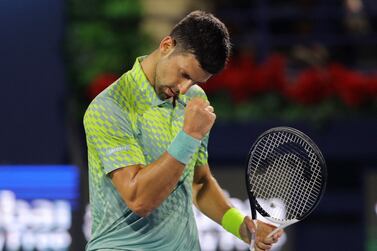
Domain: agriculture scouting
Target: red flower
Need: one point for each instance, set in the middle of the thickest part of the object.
(243, 79)
(234, 79)
(269, 76)
(371, 86)
(351, 86)
(99, 84)
(312, 86)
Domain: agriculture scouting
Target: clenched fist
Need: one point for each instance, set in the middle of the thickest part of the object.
(199, 118)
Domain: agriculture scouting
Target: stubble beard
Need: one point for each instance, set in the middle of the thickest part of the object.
(158, 88)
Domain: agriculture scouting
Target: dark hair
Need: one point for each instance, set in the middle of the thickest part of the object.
(205, 36)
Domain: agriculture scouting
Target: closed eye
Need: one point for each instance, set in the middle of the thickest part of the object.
(186, 76)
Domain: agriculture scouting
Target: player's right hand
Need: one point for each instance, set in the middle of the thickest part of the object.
(199, 118)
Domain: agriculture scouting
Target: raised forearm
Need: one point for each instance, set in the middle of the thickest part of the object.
(145, 188)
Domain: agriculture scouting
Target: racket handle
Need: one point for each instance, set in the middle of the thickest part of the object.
(282, 227)
(274, 232)
(252, 242)
(253, 237)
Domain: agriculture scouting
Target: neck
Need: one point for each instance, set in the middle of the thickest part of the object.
(149, 66)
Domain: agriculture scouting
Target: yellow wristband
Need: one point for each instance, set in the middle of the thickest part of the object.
(232, 221)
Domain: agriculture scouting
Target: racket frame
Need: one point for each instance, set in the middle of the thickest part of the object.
(254, 205)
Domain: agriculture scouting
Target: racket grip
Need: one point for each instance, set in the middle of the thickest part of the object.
(273, 232)
(252, 242)
(253, 238)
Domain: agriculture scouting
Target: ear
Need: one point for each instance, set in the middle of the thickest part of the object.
(167, 44)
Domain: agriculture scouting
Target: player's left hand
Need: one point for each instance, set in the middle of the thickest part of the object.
(262, 242)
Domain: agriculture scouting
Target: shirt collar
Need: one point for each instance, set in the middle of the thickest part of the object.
(143, 87)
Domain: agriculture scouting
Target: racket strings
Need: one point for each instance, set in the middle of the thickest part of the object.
(290, 176)
(296, 200)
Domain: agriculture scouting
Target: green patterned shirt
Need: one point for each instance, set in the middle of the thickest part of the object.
(128, 124)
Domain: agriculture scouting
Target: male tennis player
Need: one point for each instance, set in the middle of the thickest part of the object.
(147, 138)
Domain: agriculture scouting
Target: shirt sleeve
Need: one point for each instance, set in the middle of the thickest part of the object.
(109, 132)
(203, 153)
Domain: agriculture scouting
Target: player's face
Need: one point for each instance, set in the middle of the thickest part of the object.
(176, 73)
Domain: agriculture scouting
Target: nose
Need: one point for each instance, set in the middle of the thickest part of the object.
(185, 86)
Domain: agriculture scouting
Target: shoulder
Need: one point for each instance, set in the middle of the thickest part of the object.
(102, 103)
(103, 108)
(196, 91)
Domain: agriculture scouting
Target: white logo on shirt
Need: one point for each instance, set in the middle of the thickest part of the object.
(117, 149)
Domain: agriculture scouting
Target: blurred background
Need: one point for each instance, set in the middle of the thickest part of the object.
(301, 63)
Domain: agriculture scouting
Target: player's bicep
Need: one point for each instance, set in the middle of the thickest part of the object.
(203, 178)
(124, 181)
(201, 174)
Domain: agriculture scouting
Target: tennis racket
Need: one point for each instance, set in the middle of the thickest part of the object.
(285, 177)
